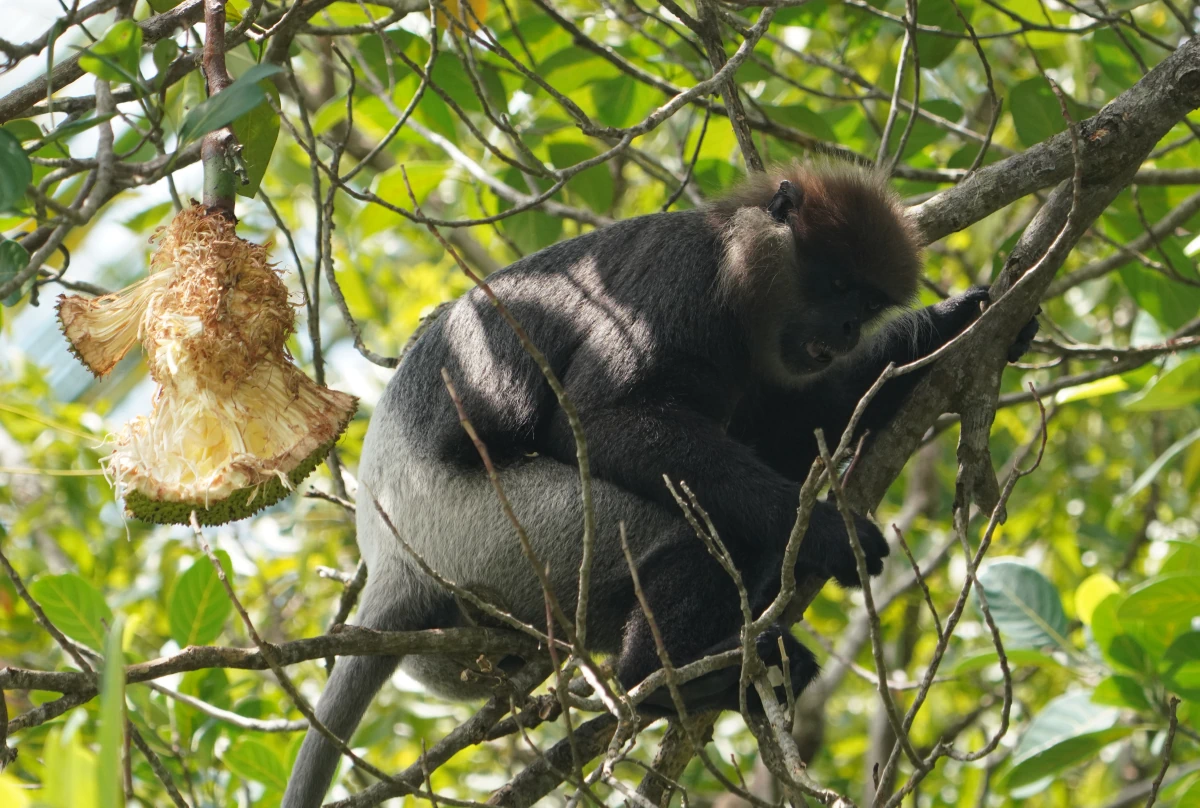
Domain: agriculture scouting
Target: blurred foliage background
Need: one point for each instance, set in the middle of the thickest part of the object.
(1094, 580)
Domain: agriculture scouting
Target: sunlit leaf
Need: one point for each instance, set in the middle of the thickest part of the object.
(1172, 598)
(74, 606)
(1068, 730)
(257, 132)
(254, 760)
(1090, 593)
(1175, 389)
(243, 95)
(199, 605)
(115, 56)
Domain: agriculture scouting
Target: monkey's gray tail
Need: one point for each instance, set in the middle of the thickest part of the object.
(353, 685)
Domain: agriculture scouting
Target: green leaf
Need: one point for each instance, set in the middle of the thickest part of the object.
(257, 131)
(1036, 112)
(1168, 301)
(254, 760)
(74, 782)
(572, 68)
(1090, 593)
(1176, 389)
(621, 101)
(1016, 656)
(1024, 604)
(1068, 730)
(23, 129)
(1125, 650)
(13, 258)
(1171, 598)
(75, 127)
(1121, 691)
(1185, 648)
(1180, 666)
(112, 720)
(199, 606)
(16, 172)
(931, 48)
(799, 116)
(115, 56)
(228, 105)
(165, 51)
(594, 185)
(74, 606)
(1146, 477)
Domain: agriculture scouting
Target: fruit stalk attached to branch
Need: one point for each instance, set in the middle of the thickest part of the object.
(217, 149)
(235, 425)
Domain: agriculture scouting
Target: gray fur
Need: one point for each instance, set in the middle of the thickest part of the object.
(666, 331)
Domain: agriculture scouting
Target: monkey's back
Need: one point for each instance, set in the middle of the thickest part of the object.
(595, 305)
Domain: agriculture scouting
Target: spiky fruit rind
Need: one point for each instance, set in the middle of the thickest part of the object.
(240, 504)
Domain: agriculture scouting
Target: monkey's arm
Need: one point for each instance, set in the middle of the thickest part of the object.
(779, 423)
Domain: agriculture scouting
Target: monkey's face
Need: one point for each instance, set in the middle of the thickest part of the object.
(833, 309)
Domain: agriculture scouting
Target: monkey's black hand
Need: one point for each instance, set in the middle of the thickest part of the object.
(1024, 339)
(955, 314)
(844, 566)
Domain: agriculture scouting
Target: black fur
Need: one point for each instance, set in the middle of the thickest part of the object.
(705, 345)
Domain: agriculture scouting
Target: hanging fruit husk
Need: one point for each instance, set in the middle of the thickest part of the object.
(235, 426)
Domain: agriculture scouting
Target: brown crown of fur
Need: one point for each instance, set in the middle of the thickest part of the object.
(850, 219)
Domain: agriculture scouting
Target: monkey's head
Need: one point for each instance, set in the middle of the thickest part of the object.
(813, 258)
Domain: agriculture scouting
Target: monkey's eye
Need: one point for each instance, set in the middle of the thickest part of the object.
(840, 284)
(874, 304)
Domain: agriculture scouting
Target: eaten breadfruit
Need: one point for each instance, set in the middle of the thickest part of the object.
(235, 425)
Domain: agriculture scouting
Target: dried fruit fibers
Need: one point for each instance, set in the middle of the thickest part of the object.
(235, 425)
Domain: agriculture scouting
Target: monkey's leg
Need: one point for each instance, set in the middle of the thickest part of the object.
(696, 610)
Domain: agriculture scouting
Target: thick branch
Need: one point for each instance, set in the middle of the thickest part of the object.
(1143, 114)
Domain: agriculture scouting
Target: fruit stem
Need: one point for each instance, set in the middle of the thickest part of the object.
(216, 151)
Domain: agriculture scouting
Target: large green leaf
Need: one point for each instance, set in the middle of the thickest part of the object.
(199, 605)
(257, 132)
(1173, 598)
(1068, 730)
(254, 760)
(115, 56)
(228, 105)
(1177, 388)
(16, 172)
(74, 606)
(1025, 605)
(1121, 691)
(1036, 112)
(1025, 657)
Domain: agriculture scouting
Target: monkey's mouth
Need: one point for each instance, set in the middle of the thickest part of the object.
(819, 352)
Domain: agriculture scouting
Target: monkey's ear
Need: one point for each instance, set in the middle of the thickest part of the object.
(786, 199)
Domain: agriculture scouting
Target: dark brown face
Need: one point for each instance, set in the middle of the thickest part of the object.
(829, 322)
